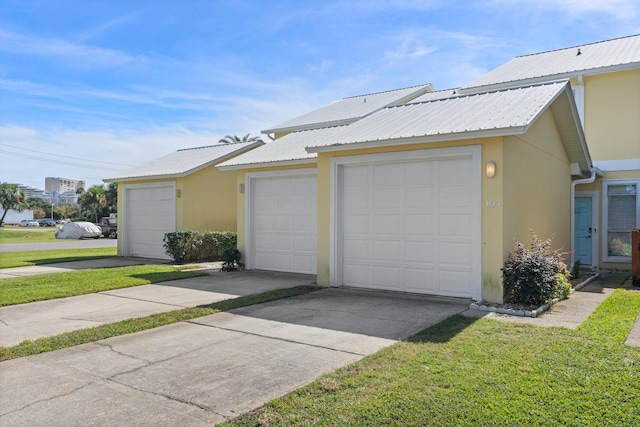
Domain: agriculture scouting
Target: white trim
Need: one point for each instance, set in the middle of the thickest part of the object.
(475, 151)
(250, 178)
(595, 223)
(124, 235)
(618, 165)
(605, 217)
(274, 163)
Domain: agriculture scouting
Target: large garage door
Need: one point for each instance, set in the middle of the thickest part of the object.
(283, 226)
(411, 225)
(149, 213)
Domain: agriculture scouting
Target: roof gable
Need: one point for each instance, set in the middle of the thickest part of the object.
(593, 58)
(184, 162)
(348, 110)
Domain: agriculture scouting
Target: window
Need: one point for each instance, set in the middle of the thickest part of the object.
(621, 215)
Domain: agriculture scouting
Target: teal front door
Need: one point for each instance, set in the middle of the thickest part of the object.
(583, 230)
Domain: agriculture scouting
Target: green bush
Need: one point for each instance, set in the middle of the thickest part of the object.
(232, 260)
(530, 274)
(193, 246)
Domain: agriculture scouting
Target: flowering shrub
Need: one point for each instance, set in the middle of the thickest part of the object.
(535, 274)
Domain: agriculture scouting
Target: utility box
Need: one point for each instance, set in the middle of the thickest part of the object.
(635, 257)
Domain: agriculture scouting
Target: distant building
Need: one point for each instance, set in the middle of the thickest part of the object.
(31, 191)
(62, 185)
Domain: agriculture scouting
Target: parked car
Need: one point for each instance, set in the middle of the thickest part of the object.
(46, 222)
(109, 226)
(79, 230)
(29, 223)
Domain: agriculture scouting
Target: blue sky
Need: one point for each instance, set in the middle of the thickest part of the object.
(89, 88)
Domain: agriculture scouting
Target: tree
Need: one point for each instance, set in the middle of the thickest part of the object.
(12, 197)
(66, 211)
(230, 139)
(93, 201)
(111, 196)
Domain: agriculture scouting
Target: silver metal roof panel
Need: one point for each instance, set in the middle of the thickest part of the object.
(348, 110)
(184, 162)
(593, 58)
(288, 149)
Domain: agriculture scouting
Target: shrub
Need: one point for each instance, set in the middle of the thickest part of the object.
(563, 287)
(530, 274)
(232, 260)
(575, 270)
(192, 246)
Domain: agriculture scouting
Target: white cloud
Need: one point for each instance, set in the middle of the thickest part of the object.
(625, 10)
(84, 55)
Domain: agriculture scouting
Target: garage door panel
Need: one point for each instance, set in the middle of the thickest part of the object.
(421, 225)
(356, 249)
(149, 213)
(387, 250)
(407, 225)
(422, 252)
(283, 225)
(454, 225)
(388, 224)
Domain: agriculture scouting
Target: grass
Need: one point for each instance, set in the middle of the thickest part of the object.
(482, 372)
(83, 336)
(28, 258)
(19, 236)
(21, 290)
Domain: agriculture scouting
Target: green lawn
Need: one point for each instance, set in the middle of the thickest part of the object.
(470, 372)
(27, 258)
(21, 236)
(21, 290)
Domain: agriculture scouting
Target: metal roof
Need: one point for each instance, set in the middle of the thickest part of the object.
(460, 116)
(593, 58)
(497, 113)
(184, 162)
(348, 110)
(288, 149)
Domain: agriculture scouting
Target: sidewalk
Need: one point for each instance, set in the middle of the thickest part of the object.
(570, 313)
(62, 267)
(52, 317)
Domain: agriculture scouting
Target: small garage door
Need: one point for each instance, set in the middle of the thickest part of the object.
(149, 213)
(411, 225)
(283, 230)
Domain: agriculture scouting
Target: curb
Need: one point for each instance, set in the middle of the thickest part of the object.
(529, 313)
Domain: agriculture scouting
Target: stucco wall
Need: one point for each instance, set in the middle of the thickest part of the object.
(612, 115)
(207, 200)
(537, 187)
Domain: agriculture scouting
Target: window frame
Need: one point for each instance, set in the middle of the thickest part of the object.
(605, 216)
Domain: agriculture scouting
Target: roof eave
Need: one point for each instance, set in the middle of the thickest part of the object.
(269, 164)
(182, 174)
(548, 78)
(454, 136)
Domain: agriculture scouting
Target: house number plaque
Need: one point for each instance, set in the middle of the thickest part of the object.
(494, 203)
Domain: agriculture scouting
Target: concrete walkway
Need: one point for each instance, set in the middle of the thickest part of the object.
(212, 368)
(571, 312)
(47, 318)
(62, 267)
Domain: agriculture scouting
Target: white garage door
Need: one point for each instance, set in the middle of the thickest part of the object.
(149, 213)
(411, 225)
(283, 230)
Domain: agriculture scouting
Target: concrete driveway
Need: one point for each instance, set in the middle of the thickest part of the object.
(213, 368)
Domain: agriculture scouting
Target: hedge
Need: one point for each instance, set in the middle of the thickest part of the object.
(193, 246)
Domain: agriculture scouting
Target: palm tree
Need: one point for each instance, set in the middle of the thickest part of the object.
(231, 139)
(94, 200)
(12, 197)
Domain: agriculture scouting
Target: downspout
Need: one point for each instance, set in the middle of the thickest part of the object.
(589, 180)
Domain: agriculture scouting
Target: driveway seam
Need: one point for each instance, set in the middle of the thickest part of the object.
(138, 299)
(280, 339)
